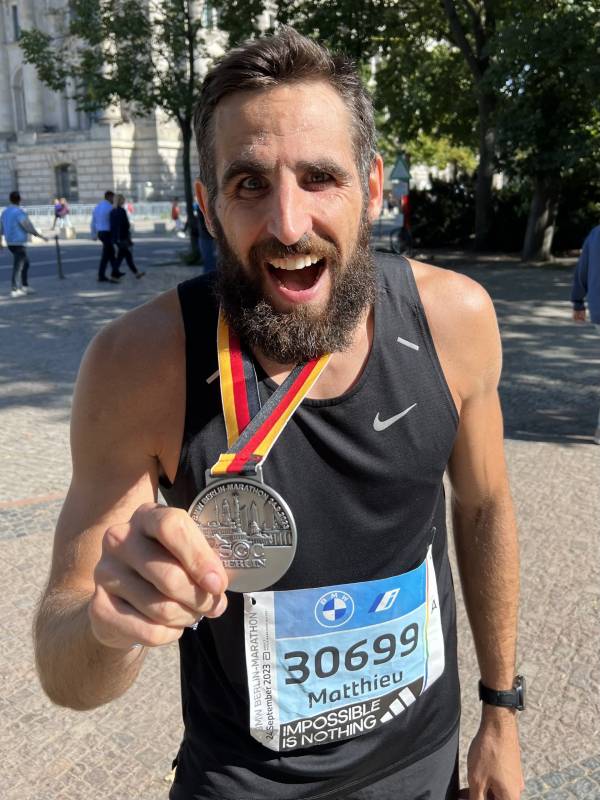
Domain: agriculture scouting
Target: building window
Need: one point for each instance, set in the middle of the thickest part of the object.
(15, 22)
(66, 182)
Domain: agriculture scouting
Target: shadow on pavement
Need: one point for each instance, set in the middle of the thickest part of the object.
(549, 386)
(551, 373)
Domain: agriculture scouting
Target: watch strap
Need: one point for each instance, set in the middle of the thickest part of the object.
(508, 698)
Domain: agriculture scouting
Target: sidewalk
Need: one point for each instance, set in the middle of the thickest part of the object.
(123, 751)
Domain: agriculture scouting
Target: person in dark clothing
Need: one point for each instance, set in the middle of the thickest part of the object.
(120, 231)
(100, 229)
(318, 658)
(201, 235)
(206, 244)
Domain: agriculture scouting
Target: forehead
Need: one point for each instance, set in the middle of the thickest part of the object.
(302, 120)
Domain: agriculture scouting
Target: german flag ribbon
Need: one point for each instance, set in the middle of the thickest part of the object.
(251, 430)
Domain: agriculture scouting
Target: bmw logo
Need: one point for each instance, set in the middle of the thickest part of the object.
(334, 609)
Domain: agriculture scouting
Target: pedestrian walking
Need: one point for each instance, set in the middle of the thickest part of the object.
(176, 217)
(206, 243)
(120, 229)
(16, 227)
(586, 286)
(100, 229)
(64, 222)
(314, 478)
(57, 210)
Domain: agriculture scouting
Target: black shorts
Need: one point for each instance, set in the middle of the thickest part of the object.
(434, 777)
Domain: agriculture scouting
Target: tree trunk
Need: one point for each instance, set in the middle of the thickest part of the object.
(542, 218)
(485, 171)
(192, 222)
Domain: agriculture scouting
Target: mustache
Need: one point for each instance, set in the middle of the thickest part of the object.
(306, 245)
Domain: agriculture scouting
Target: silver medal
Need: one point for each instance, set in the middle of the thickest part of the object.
(251, 528)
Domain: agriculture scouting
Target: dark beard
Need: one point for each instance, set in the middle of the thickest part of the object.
(300, 334)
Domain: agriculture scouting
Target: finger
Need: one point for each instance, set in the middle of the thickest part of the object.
(149, 559)
(119, 580)
(179, 534)
(117, 624)
(218, 607)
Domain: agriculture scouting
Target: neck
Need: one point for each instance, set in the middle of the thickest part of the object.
(344, 368)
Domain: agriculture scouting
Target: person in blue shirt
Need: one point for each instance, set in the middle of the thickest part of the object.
(100, 229)
(16, 226)
(586, 285)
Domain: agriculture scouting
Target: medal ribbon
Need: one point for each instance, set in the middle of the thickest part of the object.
(251, 430)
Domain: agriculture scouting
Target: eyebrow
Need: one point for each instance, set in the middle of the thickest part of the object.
(242, 166)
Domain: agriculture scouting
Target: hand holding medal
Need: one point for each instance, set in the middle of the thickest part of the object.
(243, 519)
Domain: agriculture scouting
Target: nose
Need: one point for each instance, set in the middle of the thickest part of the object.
(289, 213)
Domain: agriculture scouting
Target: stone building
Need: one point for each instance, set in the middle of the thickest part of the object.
(48, 148)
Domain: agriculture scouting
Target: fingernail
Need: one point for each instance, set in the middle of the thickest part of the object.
(212, 583)
(221, 606)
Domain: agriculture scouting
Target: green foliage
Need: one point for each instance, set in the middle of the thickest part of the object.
(147, 54)
(239, 18)
(443, 215)
(355, 27)
(527, 72)
(427, 94)
(36, 44)
(440, 152)
(547, 65)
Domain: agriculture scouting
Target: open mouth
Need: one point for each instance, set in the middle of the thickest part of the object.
(296, 273)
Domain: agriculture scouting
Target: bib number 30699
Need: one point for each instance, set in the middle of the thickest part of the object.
(327, 660)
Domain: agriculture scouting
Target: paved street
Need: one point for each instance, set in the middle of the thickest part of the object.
(550, 394)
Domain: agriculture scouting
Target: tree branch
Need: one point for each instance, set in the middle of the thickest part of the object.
(490, 17)
(461, 40)
(478, 30)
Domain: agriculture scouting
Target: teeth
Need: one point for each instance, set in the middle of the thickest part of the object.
(294, 262)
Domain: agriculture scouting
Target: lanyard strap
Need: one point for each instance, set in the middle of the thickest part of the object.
(251, 430)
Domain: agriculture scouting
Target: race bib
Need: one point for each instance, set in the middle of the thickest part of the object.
(332, 663)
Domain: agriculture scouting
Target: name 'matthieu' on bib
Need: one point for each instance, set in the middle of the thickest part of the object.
(335, 662)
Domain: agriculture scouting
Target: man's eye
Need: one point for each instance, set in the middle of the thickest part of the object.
(320, 177)
(251, 184)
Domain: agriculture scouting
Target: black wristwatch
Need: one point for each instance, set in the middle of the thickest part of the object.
(513, 698)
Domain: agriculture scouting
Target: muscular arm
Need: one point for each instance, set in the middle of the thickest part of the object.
(484, 523)
(467, 338)
(124, 571)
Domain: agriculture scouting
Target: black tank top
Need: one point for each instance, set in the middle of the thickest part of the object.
(362, 474)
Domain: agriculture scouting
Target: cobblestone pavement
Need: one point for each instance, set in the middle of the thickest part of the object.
(123, 751)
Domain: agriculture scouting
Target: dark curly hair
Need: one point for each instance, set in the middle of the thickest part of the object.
(284, 58)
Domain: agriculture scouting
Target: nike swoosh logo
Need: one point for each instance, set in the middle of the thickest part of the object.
(382, 424)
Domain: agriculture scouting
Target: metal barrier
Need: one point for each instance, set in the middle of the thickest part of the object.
(83, 211)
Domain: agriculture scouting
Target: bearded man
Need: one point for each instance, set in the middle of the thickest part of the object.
(309, 584)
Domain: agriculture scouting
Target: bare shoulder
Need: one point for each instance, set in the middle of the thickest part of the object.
(141, 336)
(463, 325)
(135, 356)
(131, 384)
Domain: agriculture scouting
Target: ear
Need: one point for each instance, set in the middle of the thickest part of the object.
(202, 198)
(375, 188)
